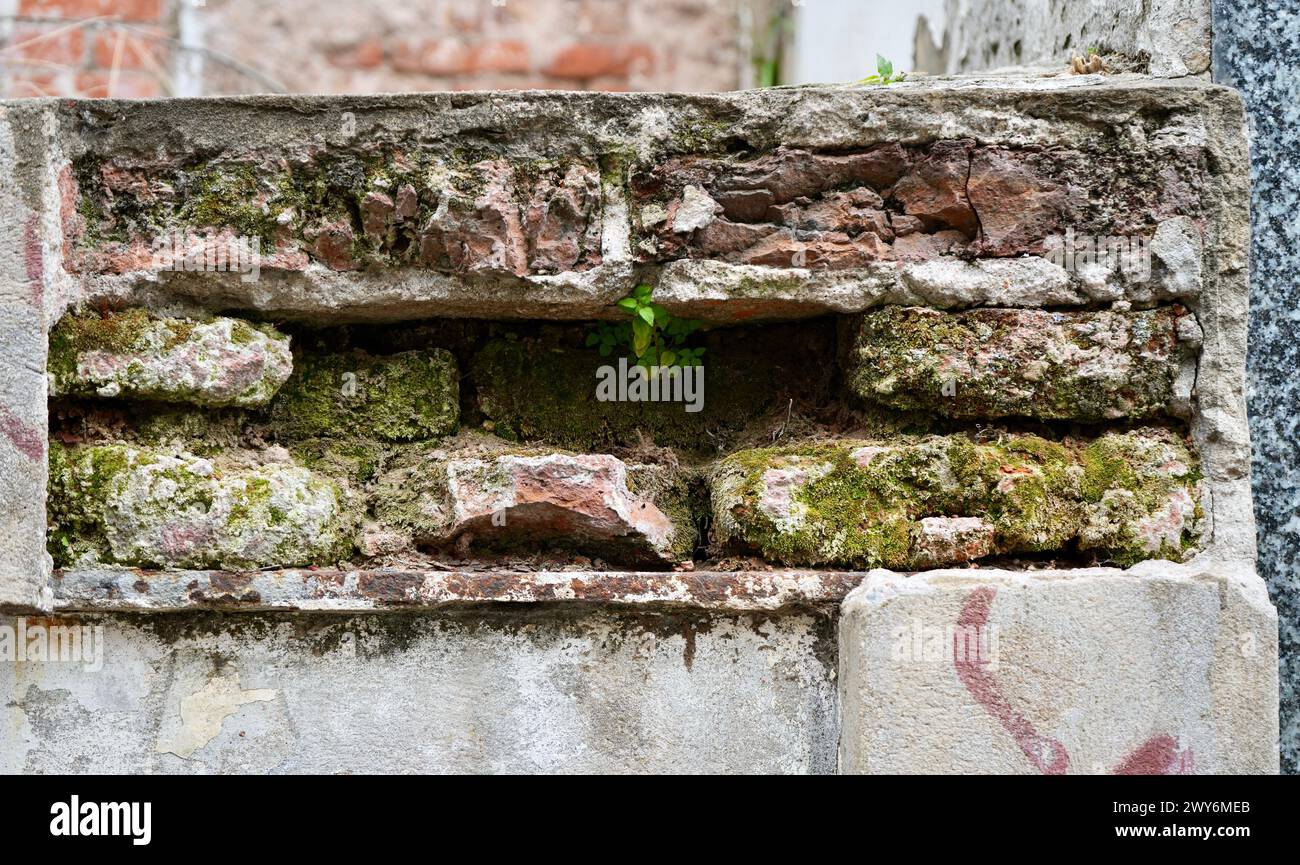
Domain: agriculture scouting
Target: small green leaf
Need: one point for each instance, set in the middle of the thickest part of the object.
(640, 337)
(884, 68)
(605, 349)
(643, 292)
(593, 338)
(667, 358)
(629, 304)
(647, 315)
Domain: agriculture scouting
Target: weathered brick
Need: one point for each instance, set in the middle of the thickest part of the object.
(586, 60)
(409, 396)
(115, 504)
(137, 355)
(534, 500)
(942, 500)
(989, 363)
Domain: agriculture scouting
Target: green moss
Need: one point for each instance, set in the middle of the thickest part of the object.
(403, 397)
(987, 363)
(119, 332)
(1038, 495)
(542, 390)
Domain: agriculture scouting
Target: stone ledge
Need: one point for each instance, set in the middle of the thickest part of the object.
(133, 590)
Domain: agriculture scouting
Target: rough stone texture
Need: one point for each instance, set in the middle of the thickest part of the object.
(117, 504)
(365, 176)
(558, 691)
(25, 268)
(1166, 38)
(987, 363)
(1001, 672)
(135, 355)
(1123, 497)
(1257, 49)
(530, 501)
(344, 206)
(832, 211)
(408, 396)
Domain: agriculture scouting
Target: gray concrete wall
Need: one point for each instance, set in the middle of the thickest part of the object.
(546, 689)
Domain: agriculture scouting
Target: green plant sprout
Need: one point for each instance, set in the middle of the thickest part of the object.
(884, 73)
(654, 337)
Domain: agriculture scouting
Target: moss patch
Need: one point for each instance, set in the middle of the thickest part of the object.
(860, 504)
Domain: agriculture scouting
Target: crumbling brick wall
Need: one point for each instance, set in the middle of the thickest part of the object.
(970, 359)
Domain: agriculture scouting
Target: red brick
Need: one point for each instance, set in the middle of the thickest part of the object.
(366, 54)
(434, 57)
(585, 60)
(136, 52)
(504, 56)
(40, 46)
(129, 85)
(24, 86)
(126, 10)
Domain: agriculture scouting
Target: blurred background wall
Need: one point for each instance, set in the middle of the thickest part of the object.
(148, 48)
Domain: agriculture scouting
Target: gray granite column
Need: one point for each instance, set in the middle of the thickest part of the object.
(1257, 50)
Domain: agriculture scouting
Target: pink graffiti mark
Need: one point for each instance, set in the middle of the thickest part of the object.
(34, 261)
(1047, 755)
(1159, 755)
(28, 441)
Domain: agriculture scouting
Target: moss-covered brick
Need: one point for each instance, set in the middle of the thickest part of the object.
(992, 363)
(411, 396)
(117, 504)
(136, 354)
(1121, 498)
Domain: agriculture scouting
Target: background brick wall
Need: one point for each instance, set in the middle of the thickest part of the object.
(145, 48)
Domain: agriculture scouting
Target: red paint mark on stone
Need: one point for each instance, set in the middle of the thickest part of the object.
(34, 261)
(28, 441)
(1047, 755)
(1158, 755)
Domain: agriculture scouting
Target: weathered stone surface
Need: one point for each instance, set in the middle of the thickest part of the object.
(1167, 38)
(138, 355)
(533, 500)
(409, 396)
(1122, 497)
(411, 206)
(1159, 670)
(547, 689)
(116, 504)
(1085, 366)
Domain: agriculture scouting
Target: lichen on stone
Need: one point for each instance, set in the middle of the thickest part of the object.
(1121, 498)
(136, 354)
(118, 504)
